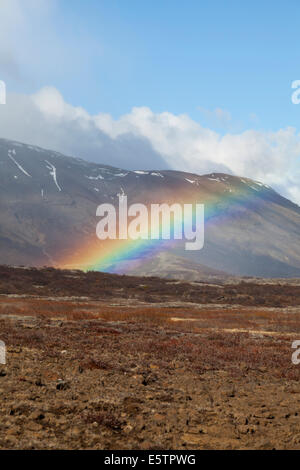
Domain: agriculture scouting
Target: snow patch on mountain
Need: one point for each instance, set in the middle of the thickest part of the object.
(99, 177)
(190, 181)
(53, 174)
(10, 152)
(121, 175)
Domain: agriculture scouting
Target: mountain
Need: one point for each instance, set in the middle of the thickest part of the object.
(169, 266)
(48, 207)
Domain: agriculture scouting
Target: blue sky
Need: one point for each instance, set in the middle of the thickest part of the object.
(177, 56)
(180, 56)
(196, 85)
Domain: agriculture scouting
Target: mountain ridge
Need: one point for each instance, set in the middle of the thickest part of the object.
(48, 205)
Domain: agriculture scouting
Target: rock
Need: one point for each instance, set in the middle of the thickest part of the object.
(37, 416)
(62, 385)
(191, 439)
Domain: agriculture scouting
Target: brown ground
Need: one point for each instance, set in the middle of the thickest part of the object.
(137, 363)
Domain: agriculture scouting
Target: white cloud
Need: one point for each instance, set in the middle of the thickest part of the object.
(143, 139)
(271, 157)
(37, 46)
(52, 105)
(19, 22)
(45, 119)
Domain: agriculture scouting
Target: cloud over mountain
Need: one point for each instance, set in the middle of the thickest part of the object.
(143, 139)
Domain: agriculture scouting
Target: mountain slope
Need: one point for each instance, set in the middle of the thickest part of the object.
(48, 206)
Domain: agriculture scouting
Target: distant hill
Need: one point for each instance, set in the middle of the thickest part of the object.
(48, 206)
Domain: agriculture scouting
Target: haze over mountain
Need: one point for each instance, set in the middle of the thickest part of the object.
(48, 205)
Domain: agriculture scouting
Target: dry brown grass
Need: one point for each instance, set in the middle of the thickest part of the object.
(96, 285)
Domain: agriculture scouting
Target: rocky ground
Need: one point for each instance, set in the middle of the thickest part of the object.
(121, 373)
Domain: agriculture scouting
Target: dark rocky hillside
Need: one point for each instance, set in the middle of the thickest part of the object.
(48, 205)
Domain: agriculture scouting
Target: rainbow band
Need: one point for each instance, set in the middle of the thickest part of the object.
(110, 255)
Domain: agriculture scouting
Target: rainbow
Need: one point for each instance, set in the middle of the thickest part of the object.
(96, 255)
(115, 256)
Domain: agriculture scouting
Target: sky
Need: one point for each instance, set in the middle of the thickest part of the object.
(199, 86)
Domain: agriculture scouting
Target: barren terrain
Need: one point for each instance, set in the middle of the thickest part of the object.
(97, 361)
